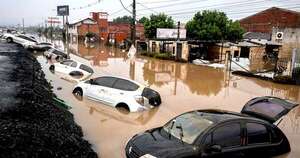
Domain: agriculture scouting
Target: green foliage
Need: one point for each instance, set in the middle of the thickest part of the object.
(124, 19)
(156, 21)
(162, 56)
(213, 25)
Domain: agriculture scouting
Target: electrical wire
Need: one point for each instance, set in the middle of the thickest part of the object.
(125, 7)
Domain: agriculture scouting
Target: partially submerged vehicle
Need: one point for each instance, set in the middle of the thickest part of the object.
(72, 68)
(42, 46)
(216, 133)
(119, 92)
(56, 54)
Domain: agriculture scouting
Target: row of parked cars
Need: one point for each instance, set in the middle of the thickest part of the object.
(200, 133)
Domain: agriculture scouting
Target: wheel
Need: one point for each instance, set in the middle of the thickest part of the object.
(52, 68)
(9, 40)
(77, 92)
(123, 108)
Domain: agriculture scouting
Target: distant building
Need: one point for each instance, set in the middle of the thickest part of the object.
(271, 18)
(106, 31)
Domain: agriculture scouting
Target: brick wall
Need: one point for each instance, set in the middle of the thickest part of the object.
(274, 17)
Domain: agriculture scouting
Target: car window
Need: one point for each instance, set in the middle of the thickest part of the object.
(26, 38)
(125, 85)
(191, 125)
(104, 81)
(257, 133)
(68, 62)
(86, 68)
(228, 135)
(74, 64)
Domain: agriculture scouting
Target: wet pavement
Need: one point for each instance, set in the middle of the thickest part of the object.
(183, 87)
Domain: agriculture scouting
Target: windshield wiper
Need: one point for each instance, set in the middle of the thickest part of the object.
(171, 127)
(181, 132)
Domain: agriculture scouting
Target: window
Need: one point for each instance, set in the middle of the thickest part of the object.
(74, 64)
(68, 62)
(227, 135)
(105, 81)
(257, 133)
(86, 68)
(125, 85)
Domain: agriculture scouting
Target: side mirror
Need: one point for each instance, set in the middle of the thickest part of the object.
(215, 148)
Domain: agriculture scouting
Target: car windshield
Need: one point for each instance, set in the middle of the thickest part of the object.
(189, 126)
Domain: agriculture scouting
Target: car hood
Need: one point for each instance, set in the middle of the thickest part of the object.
(154, 143)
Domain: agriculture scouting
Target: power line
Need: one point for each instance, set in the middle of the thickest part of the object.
(147, 8)
(245, 3)
(125, 7)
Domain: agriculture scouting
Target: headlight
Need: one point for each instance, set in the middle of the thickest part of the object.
(139, 99)
(148, 156)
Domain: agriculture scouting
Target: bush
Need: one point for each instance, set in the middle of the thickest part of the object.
(162, 56)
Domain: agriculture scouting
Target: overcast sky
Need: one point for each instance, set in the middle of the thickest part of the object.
(36, 11)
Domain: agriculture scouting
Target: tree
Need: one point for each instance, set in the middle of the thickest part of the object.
(213, 25)
(124, 19)
(156, 21)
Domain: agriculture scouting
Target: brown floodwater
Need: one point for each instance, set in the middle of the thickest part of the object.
(183, 87)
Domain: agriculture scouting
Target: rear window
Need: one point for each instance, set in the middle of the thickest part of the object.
(27, 38)
(86, 68)
(266, 108)
(125, 85)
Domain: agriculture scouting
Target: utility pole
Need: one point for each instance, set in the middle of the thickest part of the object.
(133, 25)
(23, 25)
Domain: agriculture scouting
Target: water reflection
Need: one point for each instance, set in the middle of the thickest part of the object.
(183, 87)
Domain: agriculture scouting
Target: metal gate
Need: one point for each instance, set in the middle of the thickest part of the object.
(296, 65)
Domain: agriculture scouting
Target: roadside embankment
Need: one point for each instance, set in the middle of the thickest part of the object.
(30, 124)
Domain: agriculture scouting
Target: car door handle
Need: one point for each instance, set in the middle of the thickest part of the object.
(122, 93)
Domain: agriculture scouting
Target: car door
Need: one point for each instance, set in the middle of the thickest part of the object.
(258, 139)
(270, 109)
(123, 90)
(100, 88)
(18, 39)
(224, 141)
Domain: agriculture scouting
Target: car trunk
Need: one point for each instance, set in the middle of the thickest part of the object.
(152, 96)
(268, 108)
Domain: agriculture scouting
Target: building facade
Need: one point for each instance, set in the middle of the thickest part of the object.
(271, 18)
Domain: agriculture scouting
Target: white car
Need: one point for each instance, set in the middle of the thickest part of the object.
(43, 46)
(119, 92)
(55, 54)
(73, 68)
(20, 39)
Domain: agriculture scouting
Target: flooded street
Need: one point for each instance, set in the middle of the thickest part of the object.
(183, 87)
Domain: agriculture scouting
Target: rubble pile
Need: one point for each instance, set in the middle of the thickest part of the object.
(30, 124)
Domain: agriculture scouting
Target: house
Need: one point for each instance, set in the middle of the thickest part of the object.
(274, 17)
(79, 29)
(106, 31)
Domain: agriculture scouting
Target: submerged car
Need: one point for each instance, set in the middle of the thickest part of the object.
(72, 68)
(119, 92)
(216, 133)
(55, 54)
(43, 46)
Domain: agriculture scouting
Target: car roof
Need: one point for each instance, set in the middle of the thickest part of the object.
(123, 79)
(224, 116)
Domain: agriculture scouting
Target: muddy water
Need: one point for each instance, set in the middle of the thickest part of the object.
(183, 87)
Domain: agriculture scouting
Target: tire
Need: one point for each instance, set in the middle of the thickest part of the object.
(78, 92)
(52, 68)
(9, 40)
(123, 108)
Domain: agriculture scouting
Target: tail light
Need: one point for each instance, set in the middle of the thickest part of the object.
(139, 99)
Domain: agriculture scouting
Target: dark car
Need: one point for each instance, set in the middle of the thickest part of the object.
(216, 133)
